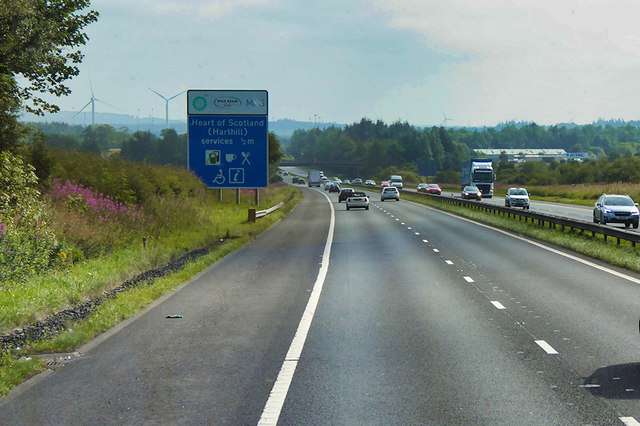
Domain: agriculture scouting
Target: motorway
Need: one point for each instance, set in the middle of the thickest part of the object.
(401, 314)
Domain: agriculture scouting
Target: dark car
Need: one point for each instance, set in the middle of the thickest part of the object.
(471, 193)
(334, 187)
(616, 209)
(344, 194)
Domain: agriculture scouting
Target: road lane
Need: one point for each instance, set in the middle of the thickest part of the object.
(400, 336)
(424, 318)
(217, 364)
(587, 314)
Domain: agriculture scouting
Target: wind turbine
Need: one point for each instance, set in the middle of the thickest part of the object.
(166, 105)
(444, 122)
(92, 101)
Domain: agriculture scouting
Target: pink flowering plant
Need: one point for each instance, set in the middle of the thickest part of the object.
(87, 199)
(94, 221)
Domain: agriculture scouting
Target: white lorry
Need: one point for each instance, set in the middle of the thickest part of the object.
(478, 172)
(314, 178)
(396, 180)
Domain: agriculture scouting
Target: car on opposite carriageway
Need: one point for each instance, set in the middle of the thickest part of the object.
(516, 197)
(611, 208)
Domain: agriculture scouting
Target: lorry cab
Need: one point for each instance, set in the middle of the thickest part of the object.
(396, 180)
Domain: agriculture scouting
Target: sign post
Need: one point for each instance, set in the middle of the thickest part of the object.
(227, 132)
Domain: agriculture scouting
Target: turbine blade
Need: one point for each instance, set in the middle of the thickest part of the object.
(90, 85)
(76, 114)
(106, 103)
(157, 93)
(175, 96)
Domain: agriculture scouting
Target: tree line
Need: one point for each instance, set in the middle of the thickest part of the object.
(375, 149)
(169, 148)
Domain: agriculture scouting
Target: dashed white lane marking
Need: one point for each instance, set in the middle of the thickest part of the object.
(547, 347)
(552, 250)
(629, 421)
(449, 262)
(417, 233)
(497, 304)
(425, 241)
(273, 407)
(468, 279)
(436, 251)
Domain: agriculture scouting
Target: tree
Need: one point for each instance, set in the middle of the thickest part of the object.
(39, 45)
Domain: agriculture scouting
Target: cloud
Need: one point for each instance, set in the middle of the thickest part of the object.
(531, 59)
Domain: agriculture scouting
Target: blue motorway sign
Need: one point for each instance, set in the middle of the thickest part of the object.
(228, 149)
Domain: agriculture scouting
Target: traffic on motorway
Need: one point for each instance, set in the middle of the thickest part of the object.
(516, 197)
(549, 303)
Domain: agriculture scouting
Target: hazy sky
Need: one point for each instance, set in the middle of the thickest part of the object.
(480, 62)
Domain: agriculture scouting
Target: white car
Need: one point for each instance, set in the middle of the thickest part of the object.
(390, 193)
(358, 199)
(516, 197)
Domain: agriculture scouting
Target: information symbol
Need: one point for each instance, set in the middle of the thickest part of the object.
(236, 175)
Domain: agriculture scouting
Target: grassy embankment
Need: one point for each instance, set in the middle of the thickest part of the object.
(100, 247)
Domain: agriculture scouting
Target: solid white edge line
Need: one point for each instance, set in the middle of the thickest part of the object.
(273, 407)
(497, 304)
(547, 347)
(629, 421)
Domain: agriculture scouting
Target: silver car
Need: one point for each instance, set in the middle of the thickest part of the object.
(516, 197)
(616, 209)
(390, 193)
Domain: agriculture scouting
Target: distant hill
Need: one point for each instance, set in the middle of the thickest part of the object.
(283, 128)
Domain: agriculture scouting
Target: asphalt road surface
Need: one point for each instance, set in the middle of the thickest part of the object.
(421, 318)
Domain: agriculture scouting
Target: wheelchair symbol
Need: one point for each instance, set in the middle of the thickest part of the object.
(219, 180)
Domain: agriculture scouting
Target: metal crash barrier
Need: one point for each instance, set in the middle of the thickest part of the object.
(253, 214)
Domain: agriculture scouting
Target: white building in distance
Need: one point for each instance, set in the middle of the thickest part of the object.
(526, 154)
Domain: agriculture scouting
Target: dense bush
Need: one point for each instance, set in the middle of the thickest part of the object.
(614, 168)
(27, 242)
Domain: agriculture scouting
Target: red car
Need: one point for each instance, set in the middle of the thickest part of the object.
(433, 188)
(384, 184)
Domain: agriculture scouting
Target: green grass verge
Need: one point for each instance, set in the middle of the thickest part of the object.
(14, 371)
(46, 293)
(623, 255)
